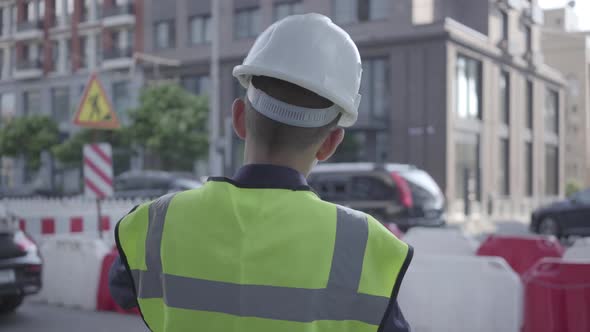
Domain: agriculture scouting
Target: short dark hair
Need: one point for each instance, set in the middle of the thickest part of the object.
(278, 137)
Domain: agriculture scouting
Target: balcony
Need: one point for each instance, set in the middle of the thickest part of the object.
(29, 30)
(28, 69)
(118, 16)
(117, 58)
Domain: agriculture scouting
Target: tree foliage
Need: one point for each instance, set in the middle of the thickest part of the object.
(171, 123)
(69, 153)
(28, 136)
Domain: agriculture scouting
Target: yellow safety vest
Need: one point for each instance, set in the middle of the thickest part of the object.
(225, 258)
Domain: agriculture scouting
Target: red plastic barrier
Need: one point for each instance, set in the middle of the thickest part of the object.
(394, 229)
(557, 296)
(104, 300)
(521, 252)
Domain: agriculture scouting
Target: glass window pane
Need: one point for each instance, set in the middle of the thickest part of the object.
(196, 30)
(60, 104)
(121, 98)
(379, 9)
(551, 111)
(344, 11)
(282, 10)
(504, 168)
(529, 169)
(467, 166)
(551, 170)
(505, 97)
(529, 104)
(380, 87)
(468, 88)
(32, 102)
(207, 26)
(256, 20)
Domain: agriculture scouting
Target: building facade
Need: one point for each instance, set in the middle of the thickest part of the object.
(456, 87)
(568, 49)
(49, 48)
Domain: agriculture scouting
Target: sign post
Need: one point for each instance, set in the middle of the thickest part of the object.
(96, 112)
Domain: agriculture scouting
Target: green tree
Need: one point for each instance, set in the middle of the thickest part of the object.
(69, 153)
(171, 124)
(28, 136)
(572, 187)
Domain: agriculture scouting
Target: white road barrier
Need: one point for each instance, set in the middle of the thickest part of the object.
(71, 270)
(580, 249)
(461, 294)
(440, 241)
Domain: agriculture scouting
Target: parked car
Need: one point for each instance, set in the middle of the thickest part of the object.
(151, 184)
(392, 193)
(20, 265)
(564, 218)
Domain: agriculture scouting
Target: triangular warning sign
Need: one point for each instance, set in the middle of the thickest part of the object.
(96, 110)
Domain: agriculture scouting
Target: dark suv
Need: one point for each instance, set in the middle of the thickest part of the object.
(20, 265)
(151, 184)
(392, 193)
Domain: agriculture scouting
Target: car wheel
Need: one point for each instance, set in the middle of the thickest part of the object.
(548, 226)
(10, 303)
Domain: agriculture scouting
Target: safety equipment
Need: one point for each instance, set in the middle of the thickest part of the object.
(312, 52)
(290, 114)
(225, 258)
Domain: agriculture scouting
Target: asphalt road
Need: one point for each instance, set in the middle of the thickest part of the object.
(36, 318)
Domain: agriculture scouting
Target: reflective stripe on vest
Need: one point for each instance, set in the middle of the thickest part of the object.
(337, 301)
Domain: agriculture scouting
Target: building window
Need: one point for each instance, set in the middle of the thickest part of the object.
(121, 98)
(551, 111)
(551, 170)
(85, 14)
(69, 9)
(504, 22)
(528, 38)
(7, 105)
(32, 102)
(528, 171)
(60, 104)
(351, 11)
(282, 10)
(2, 32)
(238, 90)
(247, 23)
(55, 54)
(505, 97)
(467, 174)
(198, 85)
(468, 89)
(504, 168)
(29, 11)
(200, 29)
(68, 48)
(84, 51)
(529, 105)
(165, 34)
(375, 90)
(98, 48)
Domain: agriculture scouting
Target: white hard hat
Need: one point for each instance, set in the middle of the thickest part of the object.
(313, 53)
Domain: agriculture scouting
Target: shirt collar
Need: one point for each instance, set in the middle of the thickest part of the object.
(269, 176)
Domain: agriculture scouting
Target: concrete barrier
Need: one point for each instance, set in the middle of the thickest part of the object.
(461, 294)
(440, 241)
(71, 271)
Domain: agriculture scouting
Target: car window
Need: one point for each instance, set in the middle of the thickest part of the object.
(423, 187)
(583, 196)
(371, 188)
(331, 187)
(129, 183)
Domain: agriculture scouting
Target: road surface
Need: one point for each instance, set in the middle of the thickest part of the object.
(43, 318)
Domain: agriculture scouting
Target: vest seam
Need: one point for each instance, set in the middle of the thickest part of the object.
(127, 268)
(397, 286)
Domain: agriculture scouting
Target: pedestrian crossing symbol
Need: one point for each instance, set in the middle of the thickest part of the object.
(96, 111)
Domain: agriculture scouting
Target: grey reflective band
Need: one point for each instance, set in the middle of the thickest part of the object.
(340, 299)
(290, 114)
